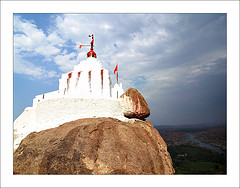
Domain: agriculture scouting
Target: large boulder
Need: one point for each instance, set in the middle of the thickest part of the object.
(94, 146)
(134, 104)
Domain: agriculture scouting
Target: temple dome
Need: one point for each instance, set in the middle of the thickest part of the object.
(91, 53)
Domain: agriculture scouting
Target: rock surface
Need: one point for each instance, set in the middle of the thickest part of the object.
(51, 113)
(134, 104)
(94, 146)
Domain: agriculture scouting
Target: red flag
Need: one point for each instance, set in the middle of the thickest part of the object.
(116, 69)
(80, 46)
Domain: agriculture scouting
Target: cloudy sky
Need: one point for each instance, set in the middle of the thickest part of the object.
(176, 61)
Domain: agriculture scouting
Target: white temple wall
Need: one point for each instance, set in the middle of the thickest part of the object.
(117, 90)
(107, 88)
(50, 95)
(83, 85)
(63, 84)
(23, 125)
(72, 83)
(68, 109)
(95, 83)
(54, 112)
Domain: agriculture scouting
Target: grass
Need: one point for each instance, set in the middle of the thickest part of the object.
(201, 168)
(189, 159)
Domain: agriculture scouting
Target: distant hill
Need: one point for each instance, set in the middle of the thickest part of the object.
(187, 126)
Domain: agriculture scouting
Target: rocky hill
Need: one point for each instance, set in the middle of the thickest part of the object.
(50, 113)
(94, 146)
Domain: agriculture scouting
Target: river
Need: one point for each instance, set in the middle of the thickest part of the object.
(192, 138)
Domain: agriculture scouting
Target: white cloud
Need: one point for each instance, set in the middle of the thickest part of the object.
(142, 44)
(28, 38)
(54, 39)
(66, 62)
(47, 50)
(106, 26)
(30, 41)
(71, 27)
(22, 66)
(148, 37)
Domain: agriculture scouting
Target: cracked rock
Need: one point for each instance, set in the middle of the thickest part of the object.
(94, 146)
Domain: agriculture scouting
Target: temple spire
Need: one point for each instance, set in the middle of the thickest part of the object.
(92, 41)
(91, 53)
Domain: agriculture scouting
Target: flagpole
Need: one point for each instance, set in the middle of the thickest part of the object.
(117, 76)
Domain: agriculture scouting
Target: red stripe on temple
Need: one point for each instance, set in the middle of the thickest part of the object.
(79, 74)
(89, 80)
(102, 78)
(68, 80)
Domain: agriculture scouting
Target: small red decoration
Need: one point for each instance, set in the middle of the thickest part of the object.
(89, 80)
(68, 80)
(102, 78)
(116, 70)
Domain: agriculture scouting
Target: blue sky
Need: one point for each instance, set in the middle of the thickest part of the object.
(176, 61)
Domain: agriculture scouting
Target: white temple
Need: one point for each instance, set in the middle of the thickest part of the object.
(85, 92)
(88, 80)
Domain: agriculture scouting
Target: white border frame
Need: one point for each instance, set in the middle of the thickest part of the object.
(229, 7)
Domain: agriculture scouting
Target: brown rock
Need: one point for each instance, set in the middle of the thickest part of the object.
(94, 146)
(134, 104)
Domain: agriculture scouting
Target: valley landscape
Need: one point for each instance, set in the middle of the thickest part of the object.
(196, 149)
